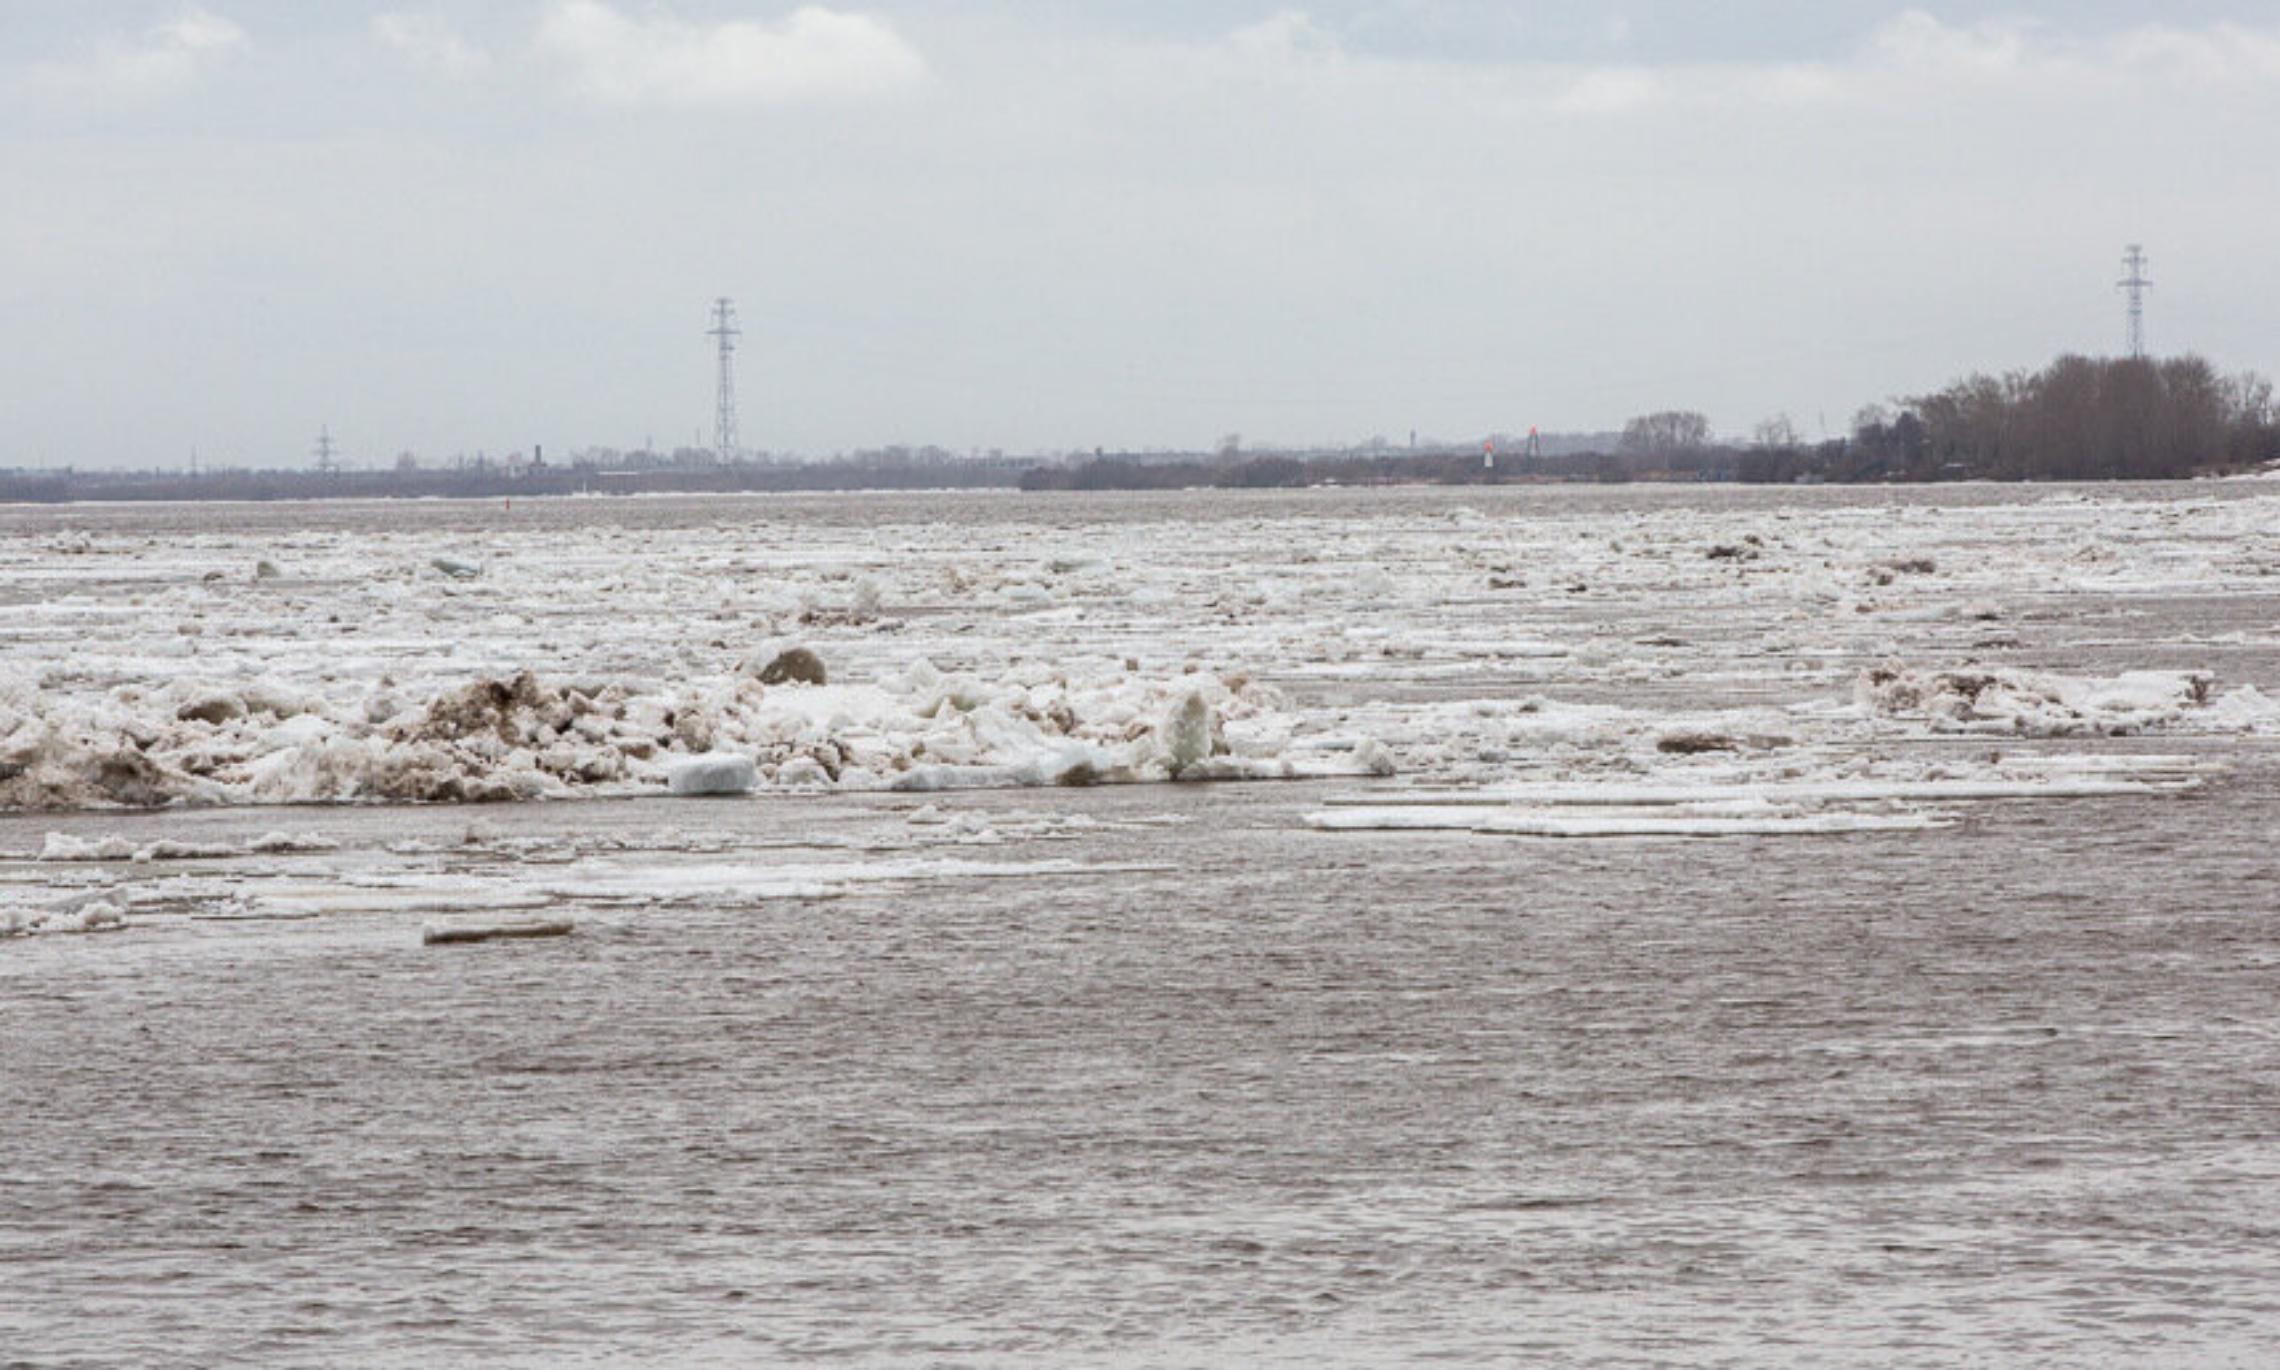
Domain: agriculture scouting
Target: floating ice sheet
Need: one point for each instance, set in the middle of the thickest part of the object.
(1568, 823)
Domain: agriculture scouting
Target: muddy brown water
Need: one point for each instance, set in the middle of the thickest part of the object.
(2008, 1091)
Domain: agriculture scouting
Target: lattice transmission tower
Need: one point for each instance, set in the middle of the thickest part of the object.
(725, 332)
(2135, 281)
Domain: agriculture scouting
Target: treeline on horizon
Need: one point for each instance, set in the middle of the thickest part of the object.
(2080, 418)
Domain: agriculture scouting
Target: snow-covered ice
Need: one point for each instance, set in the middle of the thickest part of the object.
(713, 773)
(86, 913)
(64, 847)
(1687, 637)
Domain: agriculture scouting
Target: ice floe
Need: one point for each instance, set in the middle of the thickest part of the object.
(2008, 701)
(77, 913)
(523, 737)
(1768, 806)
(64, 847)
(463, 933)
(1571, 636)
(1537, 823)
(713, 773)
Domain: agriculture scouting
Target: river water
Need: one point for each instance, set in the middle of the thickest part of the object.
(1165, 1075)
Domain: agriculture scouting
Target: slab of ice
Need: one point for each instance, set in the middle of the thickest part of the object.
(1826, 791)
(81, 913)
(64, 847)
(713, 773)
(288, 842)
(1186, 731)
(669, 882)
(2009, 701)
(452, 934)
(1554, 823)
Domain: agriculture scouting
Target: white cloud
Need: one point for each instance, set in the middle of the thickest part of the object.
(1896, 66)
(1290, 33)
(1920, 46)
(815, 54)
(1607, 90)
(1919, 42)
(430, 44)
(2223, 52)
(168, 58)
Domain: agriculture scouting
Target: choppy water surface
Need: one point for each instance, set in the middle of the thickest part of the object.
(1161, 1075)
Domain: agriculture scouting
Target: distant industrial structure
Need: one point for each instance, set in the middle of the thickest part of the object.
(725, 332)
(327, 455)
(2135, 281)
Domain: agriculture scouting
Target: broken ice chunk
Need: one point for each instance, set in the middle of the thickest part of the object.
(713, 773)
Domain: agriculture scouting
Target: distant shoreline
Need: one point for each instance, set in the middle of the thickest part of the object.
(1106, 475)
(257, 487)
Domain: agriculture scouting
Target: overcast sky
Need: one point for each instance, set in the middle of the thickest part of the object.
(1033, 224)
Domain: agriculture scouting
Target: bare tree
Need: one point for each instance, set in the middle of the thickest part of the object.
(2080, 418)
(1666, 433)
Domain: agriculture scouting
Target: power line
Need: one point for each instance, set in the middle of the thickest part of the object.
(725, 331)
(328, 456)
(2136, 283)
